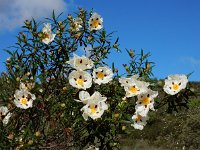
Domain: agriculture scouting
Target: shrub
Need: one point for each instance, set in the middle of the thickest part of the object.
(60, 102)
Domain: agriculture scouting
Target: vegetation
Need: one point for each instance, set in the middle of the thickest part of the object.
(168, 131)
(57, 102)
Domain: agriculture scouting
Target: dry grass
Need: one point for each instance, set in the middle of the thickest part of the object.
(178, 131)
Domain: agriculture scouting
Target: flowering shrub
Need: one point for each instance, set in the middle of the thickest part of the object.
(54, 98)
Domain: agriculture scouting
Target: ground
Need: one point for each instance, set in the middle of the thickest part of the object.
(177, 131)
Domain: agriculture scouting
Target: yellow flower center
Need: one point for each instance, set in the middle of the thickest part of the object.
(46, 35)
(175, 87)
(133, 89)
(95, 24)
(139, 118)
(93, 108)
(146, 100)
(100, 75)
(23, 101)
(80, 82)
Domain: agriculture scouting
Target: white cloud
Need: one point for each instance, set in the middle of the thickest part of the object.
(14, 12)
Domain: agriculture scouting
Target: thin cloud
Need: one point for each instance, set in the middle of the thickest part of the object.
(191, 60)
(14, 12)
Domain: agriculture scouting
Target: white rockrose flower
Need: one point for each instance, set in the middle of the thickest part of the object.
(95, 105)
(145, 102)
(80, 79)
(126, 81)
(84, 96)
(4, 115)
(102, 75)
(95, 22)
(136, 87)
(78, 22)
(139, 121)
(92, 147)
(80, 62)
(26, 86)
(175, 83)
(47, 34)
(23, 99)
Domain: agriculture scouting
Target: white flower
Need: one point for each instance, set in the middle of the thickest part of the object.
(80, 63)
(175, 83)
(47, 35)
(78, 23)
(95, 22)
(136, 87)
(145, 102)
(139, 121)
(84, 96)
(102, 75)
(92, 148)
(80, 79)
(26, 86)
(95, 105)
(4, 115)
(23, 99)
(126, 81)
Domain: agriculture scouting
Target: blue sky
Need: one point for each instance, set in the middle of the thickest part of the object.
(169, 29)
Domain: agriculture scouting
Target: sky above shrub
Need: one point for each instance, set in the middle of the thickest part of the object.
(170, 30)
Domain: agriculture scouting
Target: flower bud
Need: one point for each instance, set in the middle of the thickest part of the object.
(51, 52)
(123, 128)
(64, 89)
(18, 79)
(192, 89)
(160, 83)
(57, 32)
(124, 98)
(37, 134)
(10, 136)
(115, 46)
(90, 38)
(116, 115)
(62, 104)
(8, 60)
(148, 66)
(131, 53)
(62, 27)
(28, 74)
(27, 22)
(40, 90)
(60, 23)
(19, 147)
(105, 51)
(70, 17)
(126, 67)
(30, 142)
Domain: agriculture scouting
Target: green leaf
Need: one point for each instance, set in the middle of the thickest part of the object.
(53, 15)
(113, 67)
(188, 75)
